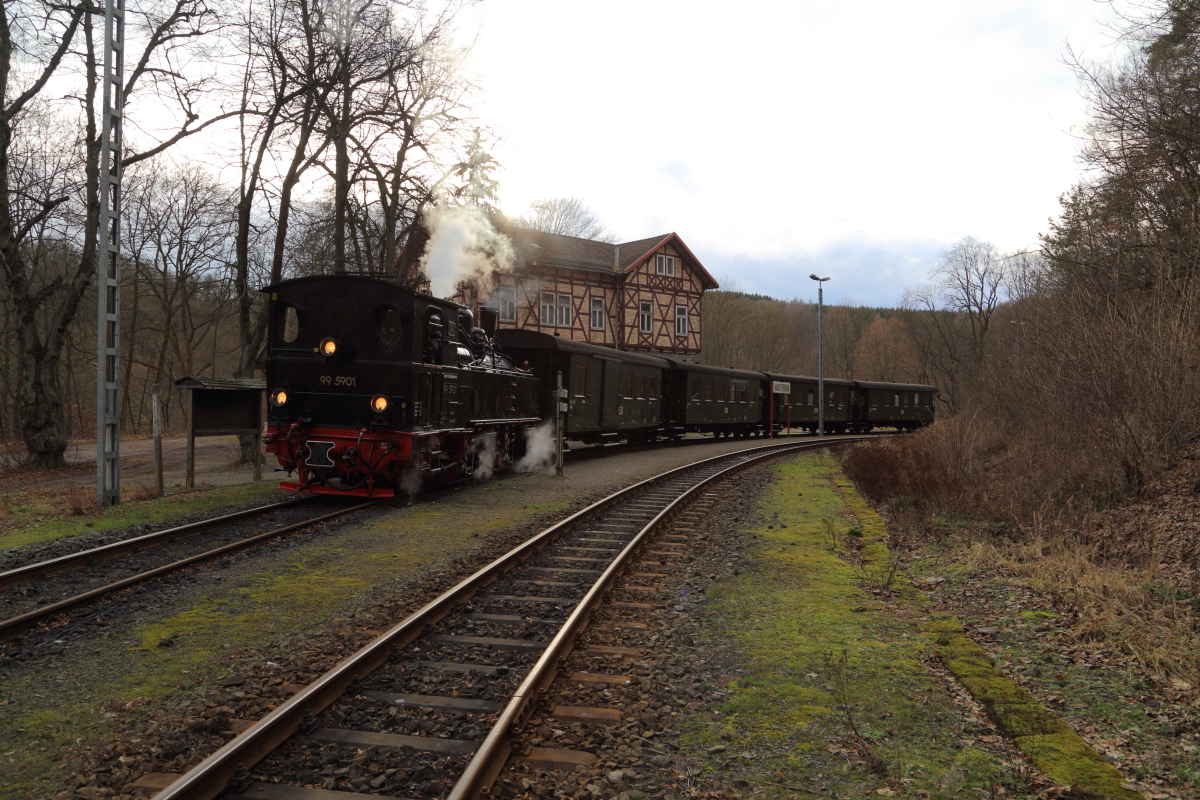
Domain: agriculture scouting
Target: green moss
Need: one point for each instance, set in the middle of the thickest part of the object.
(794, 612)
(1043, 738)
(44, 521)
(1068, 759)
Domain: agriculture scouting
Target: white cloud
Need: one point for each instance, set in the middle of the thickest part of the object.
(793, 132)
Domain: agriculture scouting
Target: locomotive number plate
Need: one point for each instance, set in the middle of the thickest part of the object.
(338, 380)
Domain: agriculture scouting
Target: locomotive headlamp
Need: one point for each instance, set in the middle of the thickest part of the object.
(278, 397)
(328, 347)
(379, 404)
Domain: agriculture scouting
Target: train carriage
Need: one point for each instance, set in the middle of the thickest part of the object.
(611, 394)
(796, 405)
(373, 386)
(716, 400)
(903, 406)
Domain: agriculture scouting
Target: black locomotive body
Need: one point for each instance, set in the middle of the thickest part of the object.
(374, 387)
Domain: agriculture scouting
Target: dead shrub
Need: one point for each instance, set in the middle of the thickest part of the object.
(142, 492)
(937, 469)
(80, 501)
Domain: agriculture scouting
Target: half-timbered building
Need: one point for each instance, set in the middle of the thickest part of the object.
(642, 295)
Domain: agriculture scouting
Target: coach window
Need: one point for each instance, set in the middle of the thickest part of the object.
(289, 324)
(579, 380)
(387, 320)
(708, 390)
(627, 384)
(696, 391)
(641, 387)
(644, 318)
(721, 391)
(896, 399)
(652, 387)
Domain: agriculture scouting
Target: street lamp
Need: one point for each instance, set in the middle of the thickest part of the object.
(820, 357)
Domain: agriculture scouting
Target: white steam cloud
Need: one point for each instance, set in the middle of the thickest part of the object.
(462, 244)
(485, 457)
(539, 448)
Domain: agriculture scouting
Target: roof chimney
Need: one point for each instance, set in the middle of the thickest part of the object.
(616, 258)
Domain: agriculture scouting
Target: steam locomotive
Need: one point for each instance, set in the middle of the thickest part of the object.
(375, 388)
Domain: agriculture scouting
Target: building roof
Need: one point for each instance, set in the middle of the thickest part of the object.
(556, 250)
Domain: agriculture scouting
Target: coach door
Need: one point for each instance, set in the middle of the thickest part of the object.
(583, 396)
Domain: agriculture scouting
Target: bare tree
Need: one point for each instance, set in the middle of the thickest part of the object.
(567, 216)
(41, 43)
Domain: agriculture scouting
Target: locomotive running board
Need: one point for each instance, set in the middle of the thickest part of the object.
(318, 489)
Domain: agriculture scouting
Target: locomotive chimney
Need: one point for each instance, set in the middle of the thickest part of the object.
(488, 317)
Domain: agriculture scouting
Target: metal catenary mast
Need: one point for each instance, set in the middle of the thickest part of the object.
(108, 285)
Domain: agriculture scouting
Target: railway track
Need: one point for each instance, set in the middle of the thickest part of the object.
(143, 547)
(445, 691)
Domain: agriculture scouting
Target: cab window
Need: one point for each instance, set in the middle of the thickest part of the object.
(289, 324)
(387, 321)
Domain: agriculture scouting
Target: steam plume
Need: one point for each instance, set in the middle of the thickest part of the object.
(539, 448)
(462, 244)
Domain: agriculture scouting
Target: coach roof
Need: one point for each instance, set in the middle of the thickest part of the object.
(508, 338)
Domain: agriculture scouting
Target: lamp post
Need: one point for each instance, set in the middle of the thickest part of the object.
(820, 356)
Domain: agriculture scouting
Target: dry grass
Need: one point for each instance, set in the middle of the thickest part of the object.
(142, 492)
(1112, 582)
(80, 500)
(1124, 607)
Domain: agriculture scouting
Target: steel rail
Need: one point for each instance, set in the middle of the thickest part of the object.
(42, 569)
(493, 752)
(211, 776)
(14, 625)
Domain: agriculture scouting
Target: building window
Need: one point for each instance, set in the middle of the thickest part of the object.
(681, 316)
(644, 317)
(547, 315)
(564, 311)
(506, 298)
(597, 315)
(664, 265)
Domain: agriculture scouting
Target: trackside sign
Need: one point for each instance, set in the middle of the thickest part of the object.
(781, 387)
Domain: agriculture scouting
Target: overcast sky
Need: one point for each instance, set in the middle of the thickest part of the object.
(857, 140)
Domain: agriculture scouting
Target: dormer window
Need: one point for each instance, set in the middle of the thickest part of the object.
(664, 265)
